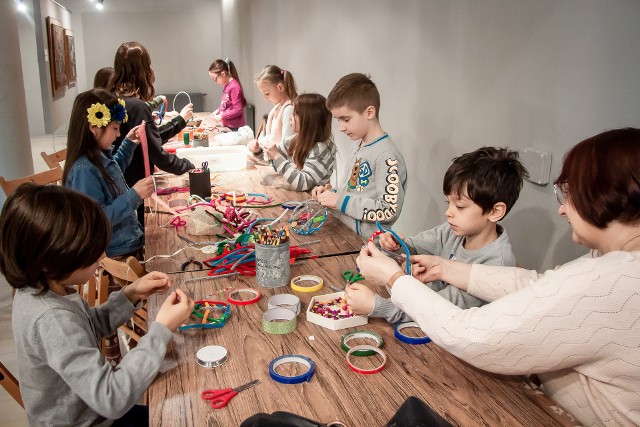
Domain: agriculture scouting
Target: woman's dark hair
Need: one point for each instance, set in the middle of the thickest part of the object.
(489, 175)
(315, 126)
(601, 177)
(226, 65)
(48, 232)
(80, 140)
(102, 78)
(133, 75)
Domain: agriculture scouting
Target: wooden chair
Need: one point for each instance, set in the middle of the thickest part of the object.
(51, 176)
(125, 273)
(53, 160)
(10, 383)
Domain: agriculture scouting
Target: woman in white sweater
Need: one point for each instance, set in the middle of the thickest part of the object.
(578, 326)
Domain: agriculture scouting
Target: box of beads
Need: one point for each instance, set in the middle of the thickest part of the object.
(331, 311)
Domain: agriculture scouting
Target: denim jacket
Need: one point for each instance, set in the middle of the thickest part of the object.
(127, 235)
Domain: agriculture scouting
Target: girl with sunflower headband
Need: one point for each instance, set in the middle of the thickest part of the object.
(133, 81)
(93, 169)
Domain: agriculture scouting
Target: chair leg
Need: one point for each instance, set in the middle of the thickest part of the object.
(10, 383)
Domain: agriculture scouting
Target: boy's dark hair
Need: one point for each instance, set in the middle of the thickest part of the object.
(355, 91)
(48, 232)
(489, 175)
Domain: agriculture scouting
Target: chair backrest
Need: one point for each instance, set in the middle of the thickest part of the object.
(52, 160)
(51, 176)
(10, 383)
(125, 271)
(95, 291)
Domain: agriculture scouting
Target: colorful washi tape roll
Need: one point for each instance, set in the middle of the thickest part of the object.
(363, 348)
(289, 301)
(233, 296)
(279, 321)
(397, 331)
(292, 358)
(295, 283)
(375, 337)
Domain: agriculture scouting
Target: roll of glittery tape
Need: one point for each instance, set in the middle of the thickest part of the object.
(292, 358)
(233, 295)
(212, 356)
(306, 278)
(363, 348)
(288, 301)
(397, 331)
(376, 338)
(279, 321)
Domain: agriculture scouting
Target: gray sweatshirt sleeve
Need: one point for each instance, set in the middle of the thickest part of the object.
(107, 317)
(385, 308)
(73, 355)
(316, 170)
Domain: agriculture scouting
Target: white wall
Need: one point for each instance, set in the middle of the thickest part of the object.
(453, 76)
(456, 75)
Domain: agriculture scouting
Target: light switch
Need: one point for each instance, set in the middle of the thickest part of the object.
(538, 163)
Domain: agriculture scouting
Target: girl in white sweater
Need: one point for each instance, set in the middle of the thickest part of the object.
(578, 326)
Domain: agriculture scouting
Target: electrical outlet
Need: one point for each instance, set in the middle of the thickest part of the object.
(538, 163)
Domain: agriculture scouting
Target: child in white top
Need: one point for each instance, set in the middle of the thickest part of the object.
(278, 87)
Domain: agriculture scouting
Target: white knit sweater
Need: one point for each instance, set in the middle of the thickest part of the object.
(577, 327)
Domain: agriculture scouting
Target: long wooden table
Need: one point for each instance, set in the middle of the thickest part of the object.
(457, 391)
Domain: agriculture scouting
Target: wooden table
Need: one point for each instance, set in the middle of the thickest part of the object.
(459, 392)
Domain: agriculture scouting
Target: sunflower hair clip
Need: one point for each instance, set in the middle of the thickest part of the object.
(100, 115)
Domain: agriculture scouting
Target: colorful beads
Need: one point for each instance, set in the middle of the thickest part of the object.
(333, 309)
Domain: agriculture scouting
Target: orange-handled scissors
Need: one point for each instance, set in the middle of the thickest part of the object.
(220, 397)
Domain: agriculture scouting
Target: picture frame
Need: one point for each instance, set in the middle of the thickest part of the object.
(57, 57)
(70, 57)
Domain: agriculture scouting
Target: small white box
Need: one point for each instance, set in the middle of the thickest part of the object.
(332, 324)
(220, 159)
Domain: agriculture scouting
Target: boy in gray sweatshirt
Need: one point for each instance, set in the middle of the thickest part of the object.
(480, 188)
(374, 181)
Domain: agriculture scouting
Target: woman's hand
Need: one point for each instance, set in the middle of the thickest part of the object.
(375, 266)
(175, 310)
(132, 135)
(426, 268)
(360, 299)
(187, 112)
(144, 187)
(147, 285)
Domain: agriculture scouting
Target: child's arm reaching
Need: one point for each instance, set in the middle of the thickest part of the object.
(363, 301)
(316, 169)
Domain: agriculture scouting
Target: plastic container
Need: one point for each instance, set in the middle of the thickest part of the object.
(219, 158)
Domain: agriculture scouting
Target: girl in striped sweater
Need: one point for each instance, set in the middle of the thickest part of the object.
(306, 158)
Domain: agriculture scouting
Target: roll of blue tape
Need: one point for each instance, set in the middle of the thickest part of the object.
(407, 339)
(292, 358)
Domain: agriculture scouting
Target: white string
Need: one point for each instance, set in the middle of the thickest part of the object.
(174, 99)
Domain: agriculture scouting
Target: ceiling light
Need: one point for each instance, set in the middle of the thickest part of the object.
(22, 7)
(100, 5)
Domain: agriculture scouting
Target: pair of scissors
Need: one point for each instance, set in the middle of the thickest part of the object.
(220, 398)
(352, 277)
(205, 166)
(161, 111)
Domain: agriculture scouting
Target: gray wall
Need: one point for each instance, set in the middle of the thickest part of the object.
(453, 76)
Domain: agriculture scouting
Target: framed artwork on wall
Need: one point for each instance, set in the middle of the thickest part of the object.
(70, 57)
(57, 57)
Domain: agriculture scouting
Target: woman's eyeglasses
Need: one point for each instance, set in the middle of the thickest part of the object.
(560, 194)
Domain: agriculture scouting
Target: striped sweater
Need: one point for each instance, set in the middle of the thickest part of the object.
(577, 327)
(317, 169)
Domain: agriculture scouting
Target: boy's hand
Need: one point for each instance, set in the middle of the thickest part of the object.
(328, 199)
(388, 242)
(376, 266)
(360, 299)
(175, 310)
(147, 285)
(133, 133)
(144, 187)
(317, 190)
